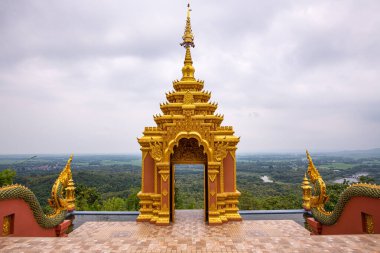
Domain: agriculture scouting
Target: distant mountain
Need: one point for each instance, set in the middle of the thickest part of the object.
(375, 152)
(367, 153)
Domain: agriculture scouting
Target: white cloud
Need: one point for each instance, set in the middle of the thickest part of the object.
(87, 76)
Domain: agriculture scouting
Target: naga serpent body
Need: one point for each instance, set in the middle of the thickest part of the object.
(314, 198)
(62, 198)
(355, 190)
(21, 192)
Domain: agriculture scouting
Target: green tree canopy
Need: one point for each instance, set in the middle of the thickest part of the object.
(114, 204)
(6, 177)
(366, 179)
(87, 198)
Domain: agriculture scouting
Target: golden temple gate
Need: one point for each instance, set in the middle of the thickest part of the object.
(188, 132)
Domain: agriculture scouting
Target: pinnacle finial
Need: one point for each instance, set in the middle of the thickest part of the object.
(188, 41)
(188, 37)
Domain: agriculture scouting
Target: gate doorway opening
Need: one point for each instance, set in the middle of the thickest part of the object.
(189, 187)
(189, 154)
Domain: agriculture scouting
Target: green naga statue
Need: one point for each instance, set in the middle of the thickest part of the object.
(62, 198)
(315, 196)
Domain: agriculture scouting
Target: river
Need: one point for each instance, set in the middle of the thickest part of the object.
(353, 179)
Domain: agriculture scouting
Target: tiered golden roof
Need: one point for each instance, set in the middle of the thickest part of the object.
(188, 97)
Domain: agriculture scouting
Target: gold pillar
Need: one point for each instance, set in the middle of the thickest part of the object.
(70, 195)
(146, 200)
(306, 194)
(164, 213)
(213, 212)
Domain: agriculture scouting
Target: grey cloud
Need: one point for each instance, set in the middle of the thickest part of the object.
(87, 76)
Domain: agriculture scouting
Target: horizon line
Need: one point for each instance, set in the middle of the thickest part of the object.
(238, 153)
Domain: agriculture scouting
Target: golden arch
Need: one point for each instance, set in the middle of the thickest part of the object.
(187, 135)
(156, 195)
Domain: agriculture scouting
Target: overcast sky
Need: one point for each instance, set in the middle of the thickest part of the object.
(87, 76)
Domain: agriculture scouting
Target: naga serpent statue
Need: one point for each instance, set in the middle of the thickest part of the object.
(314, 198)
(62, 198)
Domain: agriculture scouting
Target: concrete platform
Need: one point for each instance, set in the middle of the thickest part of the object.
(191, 234)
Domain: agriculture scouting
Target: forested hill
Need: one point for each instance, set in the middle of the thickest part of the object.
(267, 181)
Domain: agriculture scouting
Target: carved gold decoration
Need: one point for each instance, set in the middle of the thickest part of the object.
(188, 98)
(212, 174)
(188, 131)
(220, 150)
(212, 177)
(7, 225)
(165, 177)
(165, 192)
(156, 151)
(188, 150)
(212, 193)
(188, 125)
(369, 225)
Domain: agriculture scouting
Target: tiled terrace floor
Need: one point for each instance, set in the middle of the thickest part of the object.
(190, 234)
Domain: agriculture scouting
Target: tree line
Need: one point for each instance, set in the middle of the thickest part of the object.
(115, 188)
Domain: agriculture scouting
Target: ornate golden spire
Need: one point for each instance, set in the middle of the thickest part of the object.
(188, 37)
(187, 115)
(188, 41)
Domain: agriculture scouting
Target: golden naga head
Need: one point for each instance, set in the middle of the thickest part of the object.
(311, 169)
(309, 199)
(63, 190)
(66, 174)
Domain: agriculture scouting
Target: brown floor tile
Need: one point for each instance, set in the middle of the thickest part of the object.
(190, 234)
